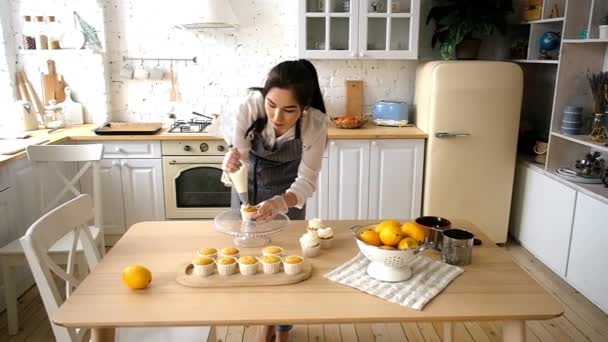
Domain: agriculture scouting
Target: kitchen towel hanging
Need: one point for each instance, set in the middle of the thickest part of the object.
(430, 277)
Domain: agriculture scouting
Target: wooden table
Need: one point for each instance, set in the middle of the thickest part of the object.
(493, 288)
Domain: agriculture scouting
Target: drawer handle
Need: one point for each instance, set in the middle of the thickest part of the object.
(3, 190)
(119, 150)
(450, 135)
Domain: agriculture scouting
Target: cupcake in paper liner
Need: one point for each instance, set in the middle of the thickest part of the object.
(272, 250)
(311, 247)
(248, 265)
(226, 265)
(326, 237)
(271, 264)
(207, 252)
(314, 224)
(247, 212)
(203, 266)
(230, 252)
(293, 264)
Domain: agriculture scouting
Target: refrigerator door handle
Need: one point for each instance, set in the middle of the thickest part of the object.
(450, 135)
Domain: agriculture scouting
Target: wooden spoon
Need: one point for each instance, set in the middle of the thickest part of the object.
(173, 91)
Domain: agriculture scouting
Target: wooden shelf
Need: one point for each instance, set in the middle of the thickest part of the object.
(583, 140)
(543, 21)
(386, 15)
(536, 61)
(585, 41)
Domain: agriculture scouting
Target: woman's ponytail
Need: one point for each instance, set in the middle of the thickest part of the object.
(317, 97)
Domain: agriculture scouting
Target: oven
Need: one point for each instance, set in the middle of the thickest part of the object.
(192, 173)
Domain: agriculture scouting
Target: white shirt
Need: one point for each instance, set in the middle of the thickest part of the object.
(313, 130)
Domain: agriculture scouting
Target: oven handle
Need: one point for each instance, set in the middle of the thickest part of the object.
(173, 162)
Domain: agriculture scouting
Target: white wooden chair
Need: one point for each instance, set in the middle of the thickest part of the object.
(71, 218)
(46, 160)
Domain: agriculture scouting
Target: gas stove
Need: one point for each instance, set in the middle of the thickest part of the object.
(190, 126)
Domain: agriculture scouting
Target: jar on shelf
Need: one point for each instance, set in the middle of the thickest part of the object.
(28, 32)
(53, 115)
(42, 40)
(599, 132)
(53, 32)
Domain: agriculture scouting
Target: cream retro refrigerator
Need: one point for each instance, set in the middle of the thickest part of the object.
(470, 110)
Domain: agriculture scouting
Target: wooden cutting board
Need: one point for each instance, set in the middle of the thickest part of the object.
(53, 84)
(185, 276)
(354, 98)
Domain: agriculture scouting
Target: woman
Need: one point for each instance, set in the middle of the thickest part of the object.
(281, 129)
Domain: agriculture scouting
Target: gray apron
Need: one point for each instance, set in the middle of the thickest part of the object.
(272, 171)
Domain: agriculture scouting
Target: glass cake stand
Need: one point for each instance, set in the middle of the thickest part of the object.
(250, 233)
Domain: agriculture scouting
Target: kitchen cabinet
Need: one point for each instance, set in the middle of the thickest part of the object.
(375, 179)
(132, 184)
(395, 179)
(541, 219)
(317, 206)
(351, 29)
(588, 260)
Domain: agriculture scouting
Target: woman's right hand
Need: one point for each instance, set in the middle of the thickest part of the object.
(232, 160)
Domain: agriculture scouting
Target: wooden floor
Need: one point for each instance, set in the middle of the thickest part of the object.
(582, 320)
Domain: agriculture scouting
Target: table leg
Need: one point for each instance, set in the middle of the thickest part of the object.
(102, 334)
(10, 296)
(212, 335)
(448, 331)
(514, 331)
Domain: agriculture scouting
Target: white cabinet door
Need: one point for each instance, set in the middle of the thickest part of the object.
(395, 179)
(113, 220)
(588, 260)
(142, 188)
(544, 219)
(23, 178)
(317, 205)
(348, 179)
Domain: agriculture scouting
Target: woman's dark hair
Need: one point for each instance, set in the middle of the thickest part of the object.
(301, 77)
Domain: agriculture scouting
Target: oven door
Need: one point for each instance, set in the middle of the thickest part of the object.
(193, 187)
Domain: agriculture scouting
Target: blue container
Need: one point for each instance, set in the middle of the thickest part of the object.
(391, 110)
(572, 120)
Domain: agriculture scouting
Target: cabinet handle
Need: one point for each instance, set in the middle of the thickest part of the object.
(374, 143)
(353, 55)
(3, 190)
(333, 143)
(115, 163)
(450, 135)
(361, 55)
(119, 150)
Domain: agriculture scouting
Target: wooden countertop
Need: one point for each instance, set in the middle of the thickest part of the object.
(85, 133)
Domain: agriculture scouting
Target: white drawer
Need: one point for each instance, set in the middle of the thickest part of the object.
(129, 149)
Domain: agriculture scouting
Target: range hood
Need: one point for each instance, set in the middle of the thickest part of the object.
(207, 14)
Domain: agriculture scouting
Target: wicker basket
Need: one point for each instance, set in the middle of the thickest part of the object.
(350, 122)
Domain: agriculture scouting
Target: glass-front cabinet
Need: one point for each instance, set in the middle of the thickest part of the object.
(346, 29)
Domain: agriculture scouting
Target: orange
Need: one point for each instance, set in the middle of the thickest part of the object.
(370, 237)
(136, 277)
(407, 243)
(387, 247)
(391, 236)
(386, 224)
(411, 229)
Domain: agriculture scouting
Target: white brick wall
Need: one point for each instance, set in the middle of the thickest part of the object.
(229, 61)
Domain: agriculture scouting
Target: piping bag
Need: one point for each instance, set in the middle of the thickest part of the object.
(239, 180)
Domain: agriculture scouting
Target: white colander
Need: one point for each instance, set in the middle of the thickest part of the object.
(390, 265)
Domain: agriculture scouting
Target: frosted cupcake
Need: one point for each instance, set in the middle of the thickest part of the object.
(311, 247)
(272, 250)
(293, 264)
(208, 252)
(247, 212)
(271, 264)
(326, 237)
(248, 265)
(203, 266)
(226, 265)
(230, 252)
(314, 224)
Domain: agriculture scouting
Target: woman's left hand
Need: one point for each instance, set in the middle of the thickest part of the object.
(270, 208)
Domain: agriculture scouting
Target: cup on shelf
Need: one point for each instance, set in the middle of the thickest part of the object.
(540, 148)
(572, 120)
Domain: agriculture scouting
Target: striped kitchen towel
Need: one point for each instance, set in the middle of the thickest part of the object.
(429, 278)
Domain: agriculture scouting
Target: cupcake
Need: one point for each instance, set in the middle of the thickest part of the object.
(311, 246)
(314, 224)
(226, 265)
(208, 252)
(326, 237)
(203, 266)
(248, 265)
(293, 264)
(230, 251)
(272, 250)
(247, 212)
(271, 264)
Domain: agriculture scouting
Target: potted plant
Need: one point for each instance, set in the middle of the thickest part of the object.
(458, 23)
(604, 28)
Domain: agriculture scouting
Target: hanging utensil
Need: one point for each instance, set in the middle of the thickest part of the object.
(173, 91)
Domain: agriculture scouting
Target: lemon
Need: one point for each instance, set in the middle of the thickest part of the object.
(411, 229)
(370, 237)
(391, 236)
(136, 277)
(387, 247)
(386, 224)
(407, 243)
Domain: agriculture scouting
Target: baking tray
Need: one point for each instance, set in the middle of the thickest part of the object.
(128, 128)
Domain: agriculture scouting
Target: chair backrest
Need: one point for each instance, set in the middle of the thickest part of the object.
(46, 231)
(45, 159)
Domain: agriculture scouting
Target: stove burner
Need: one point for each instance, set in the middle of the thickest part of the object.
(190, 126)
